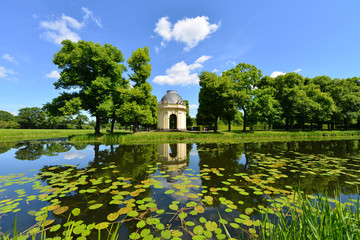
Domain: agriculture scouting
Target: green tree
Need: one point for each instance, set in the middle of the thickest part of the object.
(291, 96)
(213, 96)
(139, 103)
(244, 76)
(6, 116)
(189, 122)
(31, 117)
(80, 120)
(94, 73)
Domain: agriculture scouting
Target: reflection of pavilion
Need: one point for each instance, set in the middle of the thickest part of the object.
(173, 159)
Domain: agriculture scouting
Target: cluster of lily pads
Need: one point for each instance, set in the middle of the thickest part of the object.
(83, 203)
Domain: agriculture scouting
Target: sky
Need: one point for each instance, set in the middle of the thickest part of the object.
(184, 37)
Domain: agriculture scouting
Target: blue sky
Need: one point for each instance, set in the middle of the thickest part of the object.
(184, 38)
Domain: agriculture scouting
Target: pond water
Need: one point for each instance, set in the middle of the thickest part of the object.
(178, 191)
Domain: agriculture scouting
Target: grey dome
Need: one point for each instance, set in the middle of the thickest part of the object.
(172, 97)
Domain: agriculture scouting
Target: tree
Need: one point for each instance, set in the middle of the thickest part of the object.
(189, 122)
(93, 72)
(291, 96)
(139, 103)
(213, 95)
(6, 116)
(244, 76)
(80, 120)
(31, 117)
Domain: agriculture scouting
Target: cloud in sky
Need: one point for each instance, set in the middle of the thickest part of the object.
(4, 72)
(181, 73)
(54, 74)
(193, 106)
(188, 30)
(9, 58)
(277, 73)
(65, 27)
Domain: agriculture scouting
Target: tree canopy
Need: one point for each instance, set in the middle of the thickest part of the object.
(94, 73)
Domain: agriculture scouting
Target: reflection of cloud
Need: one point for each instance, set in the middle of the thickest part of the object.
(72, 155)
(194, 153)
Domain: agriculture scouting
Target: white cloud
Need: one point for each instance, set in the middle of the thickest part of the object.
(276, 73)
(4, 73)
(188, 30)
(64, 28)
(215, 70)
(157, 50)
(181, 73)
(193, 106)
(54, 74)
(9, 58)
(231, 63)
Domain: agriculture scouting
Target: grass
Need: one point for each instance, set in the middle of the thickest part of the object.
(313, 219)
(122, 137)
(209, 137)
(7, 135)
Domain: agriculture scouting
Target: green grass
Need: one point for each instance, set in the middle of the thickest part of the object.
(313, 219)
(7, 135)
(209, 137)
(122, 137)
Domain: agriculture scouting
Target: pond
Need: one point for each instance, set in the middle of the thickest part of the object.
(163, 191)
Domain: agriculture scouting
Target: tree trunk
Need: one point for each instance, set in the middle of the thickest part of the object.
(136, 125)
(270, 127)
(216, 124)
(311, 125)
(286, 124)
(332, 125)
(245, 115)
(302, 126)
(328, 124)
(319, 126)
(292, 126)
(112, 123)
(229, 124)
(345, 123)
(97, 125)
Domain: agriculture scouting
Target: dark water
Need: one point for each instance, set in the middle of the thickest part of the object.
(262, 170)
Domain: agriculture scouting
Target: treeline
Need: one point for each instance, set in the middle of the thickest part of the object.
(39, 118)
(286, 102)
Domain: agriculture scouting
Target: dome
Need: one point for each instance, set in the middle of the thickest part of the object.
(172, 97)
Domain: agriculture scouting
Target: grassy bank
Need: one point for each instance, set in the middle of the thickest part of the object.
(7, 135)
(193, 137)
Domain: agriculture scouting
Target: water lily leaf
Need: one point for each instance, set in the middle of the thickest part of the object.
(60, 210)
(202, 220)
(102, 225)
(96, 206)
(174, 207)
(198, 230)
(199, 209)
(134, 235)
(141, 224)
(211, 226)
(112, 216)
(192, 195)
(166, 234)
(133, 214)
(182, 215)
(249, 211)
(55, 228)
(76, 211)
(160, 226)
(169, 191)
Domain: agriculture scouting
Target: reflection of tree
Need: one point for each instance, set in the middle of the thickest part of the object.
(34, 150)
(109, 165)
(226, 156)
(30, 151)
(6, 146)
